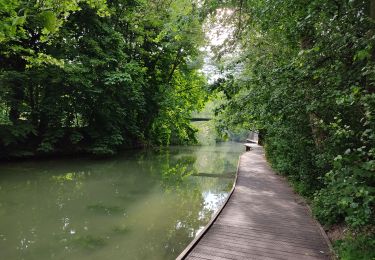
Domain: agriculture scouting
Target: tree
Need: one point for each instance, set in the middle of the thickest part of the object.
(85, 77)
(308, 81)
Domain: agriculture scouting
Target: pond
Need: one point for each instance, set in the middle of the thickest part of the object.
(138, 205)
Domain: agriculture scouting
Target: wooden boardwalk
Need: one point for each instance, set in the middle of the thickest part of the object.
(263, 219)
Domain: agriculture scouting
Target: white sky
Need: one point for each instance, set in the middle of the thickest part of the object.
(216, 32)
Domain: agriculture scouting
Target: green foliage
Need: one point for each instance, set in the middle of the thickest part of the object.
(26, 24)
(306, 80)
(90, 76)
(349, 192)
(172, 124)
(356, 247)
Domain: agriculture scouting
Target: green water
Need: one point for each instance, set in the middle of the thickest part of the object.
(140, 205)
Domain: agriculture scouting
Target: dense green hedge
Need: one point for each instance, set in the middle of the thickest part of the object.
(307, 82)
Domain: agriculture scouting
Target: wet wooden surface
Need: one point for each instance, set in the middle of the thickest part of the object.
(263, 219)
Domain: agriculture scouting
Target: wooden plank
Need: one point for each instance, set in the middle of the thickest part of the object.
(245, 244)
(251, 253)
(210, 256)
(240, 239)
(193, 257)
(216, 254)
(264, 235)
(274, 228)
(263, 219)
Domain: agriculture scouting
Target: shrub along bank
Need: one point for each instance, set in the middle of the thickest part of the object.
(307, 82)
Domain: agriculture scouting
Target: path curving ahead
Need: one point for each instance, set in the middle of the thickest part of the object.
(263, 219)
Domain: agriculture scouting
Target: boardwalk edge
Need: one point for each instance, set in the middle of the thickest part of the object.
(322, 231)
(193, 243)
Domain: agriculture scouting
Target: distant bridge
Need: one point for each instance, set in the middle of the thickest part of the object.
(200, 119)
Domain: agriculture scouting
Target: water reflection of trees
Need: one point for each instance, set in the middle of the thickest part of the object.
(69, 199)
(177, 171)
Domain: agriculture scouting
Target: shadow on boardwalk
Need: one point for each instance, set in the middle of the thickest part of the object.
(263, 219)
